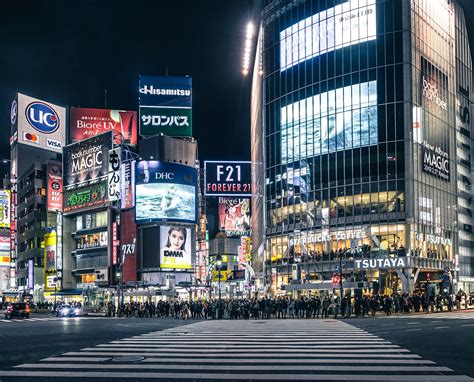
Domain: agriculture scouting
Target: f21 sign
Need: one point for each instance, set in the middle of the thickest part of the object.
(227, 178)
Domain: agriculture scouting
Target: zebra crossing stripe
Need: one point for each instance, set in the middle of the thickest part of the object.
(188, 354)
(226, 376)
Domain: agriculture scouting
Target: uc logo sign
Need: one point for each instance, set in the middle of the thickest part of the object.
(42, 117)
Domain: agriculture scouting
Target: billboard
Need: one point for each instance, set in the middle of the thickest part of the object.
(38, 123)
(165, 106)
(337, 120)
(85, 197)
(87, 160)
(50, 271)
(234, 216)
(352, 22)
(4, 251)
(431, 126)
(222, 178)
(55, 186)
(128, 245)
(175, 247)
(5, 208)
(165, 192)
(127, 185)
(87, 123)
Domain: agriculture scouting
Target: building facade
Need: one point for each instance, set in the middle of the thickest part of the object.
(362, 115)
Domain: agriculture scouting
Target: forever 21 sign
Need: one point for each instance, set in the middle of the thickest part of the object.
(227, 178)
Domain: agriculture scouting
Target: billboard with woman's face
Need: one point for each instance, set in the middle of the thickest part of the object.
(175, 247)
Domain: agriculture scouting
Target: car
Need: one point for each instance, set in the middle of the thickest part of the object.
(67, 311)
(17, 309)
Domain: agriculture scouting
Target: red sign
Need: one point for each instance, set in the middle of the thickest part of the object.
(114, 243)
(128, 245)
(55, 186)
(86, 123)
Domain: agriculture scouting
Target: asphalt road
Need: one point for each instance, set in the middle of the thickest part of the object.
(446, 339)
(34, 340)
(440, 337)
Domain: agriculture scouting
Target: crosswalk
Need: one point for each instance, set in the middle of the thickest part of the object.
(26, 320)
(326, 350)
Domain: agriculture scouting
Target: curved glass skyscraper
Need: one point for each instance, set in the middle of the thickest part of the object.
(361, 150)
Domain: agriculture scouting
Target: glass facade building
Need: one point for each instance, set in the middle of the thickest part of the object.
(357, 145)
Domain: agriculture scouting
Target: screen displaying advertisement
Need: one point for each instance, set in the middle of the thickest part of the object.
(234, 216)
(87, 160)
(165, 192)
(227, 178)
(5, 208)
(50, 271)
(346, 24)
(85, 197)
(39, 124)
(55, 186)
(337, 120)
(165, 106)
(86, 123)
(4, 251)
(430, 128)
(175, 247)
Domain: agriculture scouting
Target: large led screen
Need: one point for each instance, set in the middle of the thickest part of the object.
(234, 216)
(337, 120)
(346, 24)
(165, 192)
(175, 247)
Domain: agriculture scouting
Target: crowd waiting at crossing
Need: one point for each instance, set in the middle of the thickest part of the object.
(286, 307)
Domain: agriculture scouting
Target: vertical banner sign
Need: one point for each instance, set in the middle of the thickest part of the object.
(31, 280)
(128, 245)
(127, 185)
(246, 244)
(50, 270)
(115, 243)
(165, 106)
(59, 243)
(114, 174)
(55, 186)
(5, 208)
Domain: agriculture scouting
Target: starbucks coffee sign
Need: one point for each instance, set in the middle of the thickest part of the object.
(385, 262)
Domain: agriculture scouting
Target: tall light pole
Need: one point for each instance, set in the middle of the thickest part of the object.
(219, 266)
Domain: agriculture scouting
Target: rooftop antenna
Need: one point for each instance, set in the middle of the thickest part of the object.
(105, 98)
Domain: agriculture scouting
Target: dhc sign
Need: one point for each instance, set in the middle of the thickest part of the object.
(385, 262)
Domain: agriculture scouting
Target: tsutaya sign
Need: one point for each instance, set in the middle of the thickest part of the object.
(321, 237)
(385, 262)
(432, 239)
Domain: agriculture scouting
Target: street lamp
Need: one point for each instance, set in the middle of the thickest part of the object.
(219, 266)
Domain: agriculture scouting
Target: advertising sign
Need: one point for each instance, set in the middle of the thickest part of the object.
(352, 22)
(85, 197)
(50, 271)
(222, 178)
(39, 123)
(5, 208)
(55, 186)
(434, 132)
(175, 251)
(86, 123)
(128, 245)
(165, 192)
(246, 245)
(234, 216)
(87, 160)
(381, 263)
(114, 174)
(4, 251)
(165, 106)
(127, 185)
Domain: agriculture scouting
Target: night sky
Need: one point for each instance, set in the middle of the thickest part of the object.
(68, 53)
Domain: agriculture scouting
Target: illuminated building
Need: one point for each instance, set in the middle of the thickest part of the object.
(361, 145)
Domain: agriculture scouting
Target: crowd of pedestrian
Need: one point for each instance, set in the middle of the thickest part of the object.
(286, 307)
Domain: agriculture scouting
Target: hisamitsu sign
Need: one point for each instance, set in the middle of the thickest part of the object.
(227, 178)
(385, 262)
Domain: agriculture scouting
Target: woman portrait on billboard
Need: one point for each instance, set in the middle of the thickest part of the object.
(176, 239)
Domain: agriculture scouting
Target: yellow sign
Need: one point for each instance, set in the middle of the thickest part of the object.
(224, 275)
(50, 271)
(88, 278)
